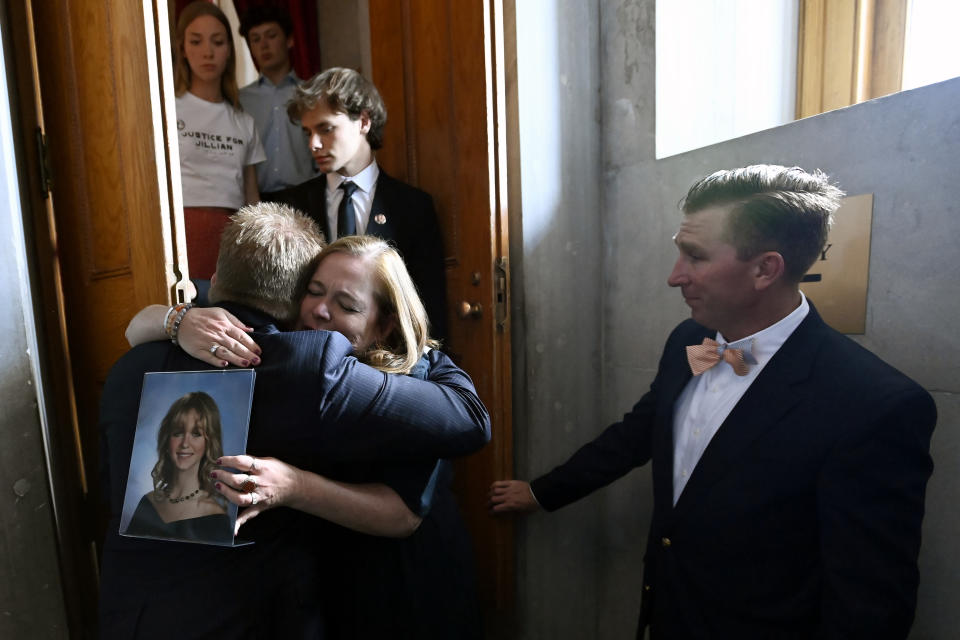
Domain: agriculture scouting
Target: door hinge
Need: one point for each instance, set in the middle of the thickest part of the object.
(46, 180)
(500, 291)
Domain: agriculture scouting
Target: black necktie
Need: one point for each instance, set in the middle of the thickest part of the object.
(346, 216)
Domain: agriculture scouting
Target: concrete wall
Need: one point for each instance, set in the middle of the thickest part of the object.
(557, 339)
(31, 600)
(580, 568)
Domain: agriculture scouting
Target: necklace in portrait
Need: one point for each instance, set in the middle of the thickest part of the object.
(182, 498)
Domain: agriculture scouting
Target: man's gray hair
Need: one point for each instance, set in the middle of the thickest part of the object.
(266, 251)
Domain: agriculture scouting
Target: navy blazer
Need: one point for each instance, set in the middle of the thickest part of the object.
(801, 520)
(402, 215)
(314, 405)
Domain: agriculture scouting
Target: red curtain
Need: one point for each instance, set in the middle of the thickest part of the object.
(305, 54)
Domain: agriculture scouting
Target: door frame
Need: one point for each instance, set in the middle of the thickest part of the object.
(403, 36)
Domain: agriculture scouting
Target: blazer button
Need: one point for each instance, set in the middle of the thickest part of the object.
(665, 542)
(646, 587)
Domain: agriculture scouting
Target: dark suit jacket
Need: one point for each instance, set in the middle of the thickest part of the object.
(802, 518)
(313, 405)
(409, 224)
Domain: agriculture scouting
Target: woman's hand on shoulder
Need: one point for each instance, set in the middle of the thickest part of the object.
(204, 328)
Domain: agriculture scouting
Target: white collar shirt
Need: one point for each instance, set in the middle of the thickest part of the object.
(366, 182)
(708, 399)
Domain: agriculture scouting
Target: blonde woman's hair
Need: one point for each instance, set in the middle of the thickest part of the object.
(397, 299)
(182, 75)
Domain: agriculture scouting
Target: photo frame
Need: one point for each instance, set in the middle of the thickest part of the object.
(186, 420)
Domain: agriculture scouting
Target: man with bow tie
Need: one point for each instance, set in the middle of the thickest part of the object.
(789, 463)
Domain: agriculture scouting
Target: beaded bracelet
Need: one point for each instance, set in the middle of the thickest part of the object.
(176, 323)
(167, 321)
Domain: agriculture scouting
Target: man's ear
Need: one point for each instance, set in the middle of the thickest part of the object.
(213, 279)
(364, 122)
(768, 268)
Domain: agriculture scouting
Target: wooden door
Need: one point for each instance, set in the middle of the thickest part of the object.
(439, 66)
(106, 232)
(90, 99)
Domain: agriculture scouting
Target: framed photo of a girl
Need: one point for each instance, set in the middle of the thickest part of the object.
(170, 493)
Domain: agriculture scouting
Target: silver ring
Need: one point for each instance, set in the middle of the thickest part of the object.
(213, 348)
(253, 465)
(253, 499)
(249, 485)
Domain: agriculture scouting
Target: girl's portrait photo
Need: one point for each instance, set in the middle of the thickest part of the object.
(187, 421)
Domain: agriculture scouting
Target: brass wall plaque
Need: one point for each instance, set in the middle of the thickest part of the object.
(837, 282)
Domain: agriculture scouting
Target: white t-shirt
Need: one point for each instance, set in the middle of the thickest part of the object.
(216, 143)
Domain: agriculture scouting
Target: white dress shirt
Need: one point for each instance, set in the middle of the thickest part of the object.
(366, 182)
(709, 398)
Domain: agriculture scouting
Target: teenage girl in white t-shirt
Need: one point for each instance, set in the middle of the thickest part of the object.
(219, 144)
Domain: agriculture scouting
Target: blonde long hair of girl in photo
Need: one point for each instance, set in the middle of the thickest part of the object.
(167, 475)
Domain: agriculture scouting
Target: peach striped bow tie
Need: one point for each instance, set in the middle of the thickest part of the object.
(703, 356)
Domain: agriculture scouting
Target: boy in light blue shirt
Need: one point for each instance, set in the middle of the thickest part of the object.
(268, 31)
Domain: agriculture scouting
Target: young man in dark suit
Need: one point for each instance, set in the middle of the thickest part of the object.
(314, 405)
(789, 463)
(343, 117)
